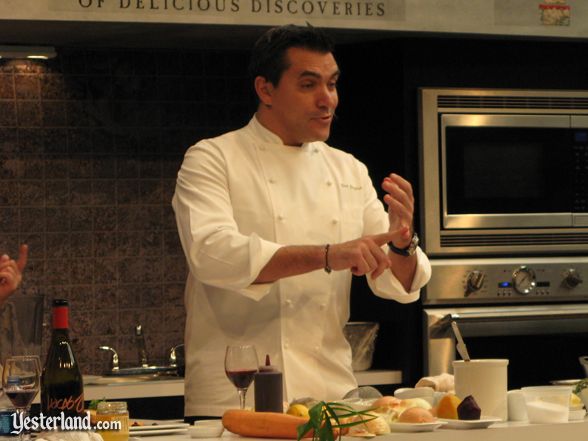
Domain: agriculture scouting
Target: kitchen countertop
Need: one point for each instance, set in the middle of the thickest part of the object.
(576, 430)
(175, 386)
(96, 387)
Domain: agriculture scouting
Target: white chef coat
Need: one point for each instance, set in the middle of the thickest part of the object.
(238, 199)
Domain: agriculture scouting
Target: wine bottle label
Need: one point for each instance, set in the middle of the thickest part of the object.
(64, 404)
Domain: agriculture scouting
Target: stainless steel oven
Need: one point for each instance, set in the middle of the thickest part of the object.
(503, 171)
(532, 311)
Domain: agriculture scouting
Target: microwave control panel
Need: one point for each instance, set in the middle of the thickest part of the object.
(514, 280)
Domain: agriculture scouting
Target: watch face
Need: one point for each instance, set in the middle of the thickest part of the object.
(413, 244)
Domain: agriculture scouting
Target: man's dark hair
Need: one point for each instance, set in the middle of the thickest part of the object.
(268, 57)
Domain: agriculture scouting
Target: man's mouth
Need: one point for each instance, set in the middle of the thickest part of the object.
(324, 118)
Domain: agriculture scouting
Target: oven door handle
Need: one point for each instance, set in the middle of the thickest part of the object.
(498, 323)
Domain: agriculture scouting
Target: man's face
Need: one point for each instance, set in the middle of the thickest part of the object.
(304, 101)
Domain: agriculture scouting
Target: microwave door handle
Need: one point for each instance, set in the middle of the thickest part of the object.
(497, 324)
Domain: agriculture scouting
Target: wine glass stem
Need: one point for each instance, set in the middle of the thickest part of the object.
(242, 393)
(22, 415)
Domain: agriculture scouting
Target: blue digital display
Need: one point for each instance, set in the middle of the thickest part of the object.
(504, 285)
(580, 136)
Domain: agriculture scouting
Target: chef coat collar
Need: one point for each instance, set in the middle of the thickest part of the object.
(269, 137)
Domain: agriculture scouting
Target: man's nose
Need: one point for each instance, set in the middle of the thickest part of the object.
(327, 97)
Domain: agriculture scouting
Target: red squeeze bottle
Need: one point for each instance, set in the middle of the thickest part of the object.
(268, 388)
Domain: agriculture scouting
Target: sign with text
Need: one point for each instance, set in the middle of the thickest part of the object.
(248, 11)
(504, 17)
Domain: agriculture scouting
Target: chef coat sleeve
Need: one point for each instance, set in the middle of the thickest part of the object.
(375, 221)
(387, 285)
(217, 253)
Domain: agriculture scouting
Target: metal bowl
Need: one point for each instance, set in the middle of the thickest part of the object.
(362, 339)
(584, 362)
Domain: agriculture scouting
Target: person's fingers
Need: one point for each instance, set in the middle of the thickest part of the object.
(23, 256)
(403, 184)
(383, 264)
(370, 259)
(401, 211)
(9, 276)
(398, 193)
(384, 238)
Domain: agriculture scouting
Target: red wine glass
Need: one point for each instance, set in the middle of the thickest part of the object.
(241, 366)
(20, 381)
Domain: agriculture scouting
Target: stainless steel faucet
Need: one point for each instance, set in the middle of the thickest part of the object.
(173, 358)
(140, 341)
(113, 360)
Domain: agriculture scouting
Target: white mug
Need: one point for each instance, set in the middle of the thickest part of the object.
(517, 408)
(487, 381)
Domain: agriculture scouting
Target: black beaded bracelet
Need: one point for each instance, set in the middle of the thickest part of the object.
(327, 267)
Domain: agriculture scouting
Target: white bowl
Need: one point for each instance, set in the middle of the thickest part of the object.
(426, 393)
(547, 404)
(206, 429)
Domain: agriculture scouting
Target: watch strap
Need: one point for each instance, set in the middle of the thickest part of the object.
(409, 250)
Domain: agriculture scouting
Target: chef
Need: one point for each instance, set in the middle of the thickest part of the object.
(274, 223)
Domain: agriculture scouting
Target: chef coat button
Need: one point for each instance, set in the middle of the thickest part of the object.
(315, 150)
(289, 302)
(280, 217)
(322, 306)
(334, 221)
(261, 147)
(286, 344)
(329, 183)
(272, 180)
(317, 348)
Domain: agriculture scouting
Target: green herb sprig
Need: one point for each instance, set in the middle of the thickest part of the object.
(326, 416)
(580, 386)
(94, 404)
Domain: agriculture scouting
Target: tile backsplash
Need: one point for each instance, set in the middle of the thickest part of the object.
(90, 145)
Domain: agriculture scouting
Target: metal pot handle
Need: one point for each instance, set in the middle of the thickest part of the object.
(583, 360)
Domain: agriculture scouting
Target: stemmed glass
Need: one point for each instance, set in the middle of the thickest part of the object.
(241, 366)
(20, 381)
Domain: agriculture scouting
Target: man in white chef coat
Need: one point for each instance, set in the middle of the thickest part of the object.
(274, 223)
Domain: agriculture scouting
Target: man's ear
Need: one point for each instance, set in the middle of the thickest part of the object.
(264, 90)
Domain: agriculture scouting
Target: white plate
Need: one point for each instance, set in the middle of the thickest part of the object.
(159, 432)
(565, 382)
(154, 427)
(416, 427)
(482, 423)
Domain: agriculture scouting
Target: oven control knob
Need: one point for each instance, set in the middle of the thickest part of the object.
(523, 279)
(474, 282)
(571, 278)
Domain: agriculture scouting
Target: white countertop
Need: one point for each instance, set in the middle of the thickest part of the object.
(96, 388)
(572, 431)
(175, 386)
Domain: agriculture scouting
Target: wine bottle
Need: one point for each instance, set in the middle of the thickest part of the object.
(62, 388)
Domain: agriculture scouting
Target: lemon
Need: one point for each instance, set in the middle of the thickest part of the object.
(299, 410)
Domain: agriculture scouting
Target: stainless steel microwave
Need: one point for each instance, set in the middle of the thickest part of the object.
(503, 171)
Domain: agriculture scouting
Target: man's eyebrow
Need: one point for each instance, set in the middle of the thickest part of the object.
(310, 73)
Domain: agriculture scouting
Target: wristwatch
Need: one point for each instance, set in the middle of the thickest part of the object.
(409, 250)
